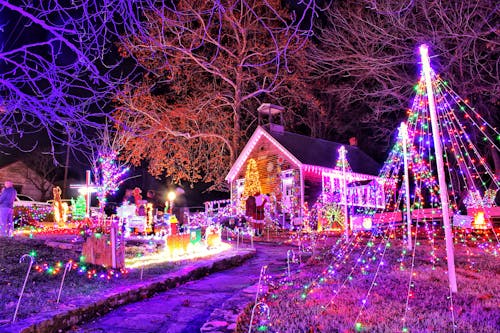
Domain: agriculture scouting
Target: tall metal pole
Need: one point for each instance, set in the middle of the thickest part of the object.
(87, 193)
(66, 167)
(443, 191)
(342, 156)
(403, 132)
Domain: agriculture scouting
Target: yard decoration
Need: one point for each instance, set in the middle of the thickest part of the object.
(436, 141)
(403, 133)
(32, 260)
(60, 208)
(259, 285)
(107, 249)
(443, 189)
(108, 173)
(86, 191)
(78, 208)
(67, 268)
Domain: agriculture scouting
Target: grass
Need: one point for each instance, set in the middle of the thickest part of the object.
(344, 287)
(41, 291)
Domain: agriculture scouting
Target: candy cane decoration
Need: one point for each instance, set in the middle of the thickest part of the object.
(67, 268)
(266, 309)
(288, 260)
(261, 275)
(24, 284)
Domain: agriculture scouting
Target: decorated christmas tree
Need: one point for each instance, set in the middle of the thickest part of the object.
(78, 208)
(252, 180)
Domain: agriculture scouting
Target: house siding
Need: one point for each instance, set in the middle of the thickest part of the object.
(16, 172)
(270, 163)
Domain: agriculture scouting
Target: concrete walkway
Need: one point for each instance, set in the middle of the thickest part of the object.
(210, 304)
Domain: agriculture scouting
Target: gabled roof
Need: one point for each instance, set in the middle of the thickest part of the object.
(324, 153)
(303, 150)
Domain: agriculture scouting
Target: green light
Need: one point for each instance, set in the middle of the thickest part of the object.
(33, 253)
(405, 329)
(82, 258)
(358, 327)
(303, 296)
(262, 328)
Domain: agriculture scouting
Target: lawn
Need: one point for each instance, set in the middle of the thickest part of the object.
(82, 282)
(372, 284)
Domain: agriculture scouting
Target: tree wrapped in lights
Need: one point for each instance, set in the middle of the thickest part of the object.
(252, 179)
(108, 174)
(107, 168)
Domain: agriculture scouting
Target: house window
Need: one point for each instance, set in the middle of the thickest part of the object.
(287, 190)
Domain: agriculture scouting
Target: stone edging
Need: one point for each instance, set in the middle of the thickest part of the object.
(225, 319)
(64, 320)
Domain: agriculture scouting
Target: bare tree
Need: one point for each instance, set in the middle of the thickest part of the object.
(209, 65)
(42, 172)
(367, 58)
(58, 69)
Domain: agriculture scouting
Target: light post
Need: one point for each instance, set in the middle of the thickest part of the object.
(170, 197)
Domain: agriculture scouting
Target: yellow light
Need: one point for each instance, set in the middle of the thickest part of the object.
(367, 223)
(171, 196)
(480, 221)
(163, 256)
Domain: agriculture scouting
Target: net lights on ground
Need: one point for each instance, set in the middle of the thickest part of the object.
(164, 256)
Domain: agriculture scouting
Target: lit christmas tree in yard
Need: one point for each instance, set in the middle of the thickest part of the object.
(252, 180)
(468, 179)
(79, 208)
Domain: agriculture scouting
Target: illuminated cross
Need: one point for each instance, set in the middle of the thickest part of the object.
(86, 189)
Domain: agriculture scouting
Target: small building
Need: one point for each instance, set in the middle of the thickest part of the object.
(26, 180)
(296, 170)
